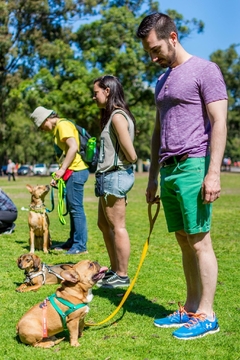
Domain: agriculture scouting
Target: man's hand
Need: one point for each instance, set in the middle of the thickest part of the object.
(151, 191)
(211, 188)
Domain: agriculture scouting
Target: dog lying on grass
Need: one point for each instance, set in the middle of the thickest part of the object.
(37, 273)
(38, 220)
(66, 308)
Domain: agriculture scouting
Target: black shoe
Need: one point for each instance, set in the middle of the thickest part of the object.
(107, 275)
(9, 230)
(65, 246)
(115, 281)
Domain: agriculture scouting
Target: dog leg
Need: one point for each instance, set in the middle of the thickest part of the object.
(45, 241)
(31, 241)
(25, 288)
(48, 342)
(73, 327)
(81, 327)
(45, 235)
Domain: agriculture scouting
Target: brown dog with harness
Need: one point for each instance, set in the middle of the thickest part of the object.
(64, 309)
(37, 273)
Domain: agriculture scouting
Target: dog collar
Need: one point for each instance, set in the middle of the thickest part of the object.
(72, 307)
(38, 209)
(30, 276)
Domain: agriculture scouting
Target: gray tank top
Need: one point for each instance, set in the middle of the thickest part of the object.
(110, 154)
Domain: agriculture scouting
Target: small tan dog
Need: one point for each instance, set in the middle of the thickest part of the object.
(38, 221)
(67, 307)
(37, 273)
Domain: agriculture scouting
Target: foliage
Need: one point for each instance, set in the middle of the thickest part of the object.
(50, 53)
(159, 287)
(229, 62)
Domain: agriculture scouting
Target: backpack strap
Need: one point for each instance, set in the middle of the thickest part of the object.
(117, 147)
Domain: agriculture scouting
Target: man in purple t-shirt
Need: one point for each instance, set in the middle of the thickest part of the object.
(188, 144)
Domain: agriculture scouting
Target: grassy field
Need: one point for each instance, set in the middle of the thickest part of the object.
(160, 285)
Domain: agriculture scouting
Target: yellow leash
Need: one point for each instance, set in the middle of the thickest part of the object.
(152, 220)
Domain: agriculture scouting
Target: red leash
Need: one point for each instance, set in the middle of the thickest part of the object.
(44, 322)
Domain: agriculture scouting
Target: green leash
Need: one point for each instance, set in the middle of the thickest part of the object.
(52, 200)
(61, 199)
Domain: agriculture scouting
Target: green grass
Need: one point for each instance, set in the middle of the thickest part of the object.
(160, 285)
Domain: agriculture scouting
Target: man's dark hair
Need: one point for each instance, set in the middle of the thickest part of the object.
(161, 23)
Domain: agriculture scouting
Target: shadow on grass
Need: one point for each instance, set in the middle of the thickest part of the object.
(135, 303)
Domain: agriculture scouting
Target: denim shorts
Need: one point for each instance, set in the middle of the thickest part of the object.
(118, 183)
(181, 196)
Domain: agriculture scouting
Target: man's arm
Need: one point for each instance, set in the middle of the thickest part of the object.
(154, 166)
(217, 112)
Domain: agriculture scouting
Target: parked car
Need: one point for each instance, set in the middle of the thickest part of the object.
(25, 170)
(53, 168)
(40, 169)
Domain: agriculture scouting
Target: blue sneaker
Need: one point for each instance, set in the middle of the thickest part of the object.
(177, 319)
(197, 326)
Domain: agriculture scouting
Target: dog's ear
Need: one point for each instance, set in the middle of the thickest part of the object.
(66, 266)
(70, 275)
(36, 262)
(29, 187)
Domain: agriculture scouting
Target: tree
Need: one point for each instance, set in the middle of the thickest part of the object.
(229, 63)
(33, 34)
(110, 45)
(56, 67)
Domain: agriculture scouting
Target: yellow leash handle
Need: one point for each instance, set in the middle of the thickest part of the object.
(144, 252)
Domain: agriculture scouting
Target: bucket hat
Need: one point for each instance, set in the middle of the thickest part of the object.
(40, 114)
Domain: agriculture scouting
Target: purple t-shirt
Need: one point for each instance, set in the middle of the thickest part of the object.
(181, 96)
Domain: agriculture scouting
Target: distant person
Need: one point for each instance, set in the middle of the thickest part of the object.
(188, 144)
(11, 170)
(115, 167)
(8, 214)
(73, 171)
(227, 163)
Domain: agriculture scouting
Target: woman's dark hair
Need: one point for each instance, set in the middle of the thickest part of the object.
(115, 99)
(161, 23)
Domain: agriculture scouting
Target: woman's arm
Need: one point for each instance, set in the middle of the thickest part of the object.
(72, 149)
(120, 125)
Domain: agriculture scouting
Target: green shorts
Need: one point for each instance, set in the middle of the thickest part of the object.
(181, 196)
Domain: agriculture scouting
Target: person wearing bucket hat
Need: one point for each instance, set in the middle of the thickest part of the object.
(73, 170)
(40, 114)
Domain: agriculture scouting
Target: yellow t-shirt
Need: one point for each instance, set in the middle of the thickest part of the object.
(62, 131)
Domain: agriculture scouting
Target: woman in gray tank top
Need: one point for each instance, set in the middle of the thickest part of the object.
(115, 175)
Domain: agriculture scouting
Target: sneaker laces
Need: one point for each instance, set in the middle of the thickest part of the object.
(181, 310)
(113, 277)
(195, 318)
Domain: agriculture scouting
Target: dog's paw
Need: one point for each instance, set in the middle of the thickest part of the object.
(21, 288)
(74, 343)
